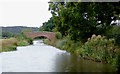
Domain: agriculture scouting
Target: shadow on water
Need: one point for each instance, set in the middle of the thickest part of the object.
(71, 63)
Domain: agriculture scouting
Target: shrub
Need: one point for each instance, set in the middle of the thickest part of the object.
(101, 49)
(23, 40)
(58, 35)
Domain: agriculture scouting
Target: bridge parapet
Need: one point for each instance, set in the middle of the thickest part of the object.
(49, 35)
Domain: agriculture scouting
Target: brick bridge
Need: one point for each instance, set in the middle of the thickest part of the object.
(49, 35)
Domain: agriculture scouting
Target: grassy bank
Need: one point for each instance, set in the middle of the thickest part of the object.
(8, 44)
(97, 48)
(11, 43)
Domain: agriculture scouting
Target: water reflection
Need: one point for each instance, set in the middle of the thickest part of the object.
(72, 63)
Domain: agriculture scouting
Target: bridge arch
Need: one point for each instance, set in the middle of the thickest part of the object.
(40, 37)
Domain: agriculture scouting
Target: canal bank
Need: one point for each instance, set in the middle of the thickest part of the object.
(40, 57)
(97, 49)
(10, 44)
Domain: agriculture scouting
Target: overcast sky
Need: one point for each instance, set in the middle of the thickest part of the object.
(24, 12)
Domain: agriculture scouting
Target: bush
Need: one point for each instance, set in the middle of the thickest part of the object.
(101, 49)
(23, 40)
(58, 35)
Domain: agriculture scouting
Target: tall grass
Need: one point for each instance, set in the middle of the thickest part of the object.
(8, 44)
(12, 43)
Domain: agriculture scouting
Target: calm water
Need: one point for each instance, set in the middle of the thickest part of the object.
(40, 57)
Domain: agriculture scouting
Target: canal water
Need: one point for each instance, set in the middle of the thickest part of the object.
(40, 57)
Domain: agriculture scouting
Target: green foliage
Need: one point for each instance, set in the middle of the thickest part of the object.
(58, 35)
(101, 49)
(23, 43)
(80, 20)
(54, 29)
(23, 40)
(47, 26)
(114, 32)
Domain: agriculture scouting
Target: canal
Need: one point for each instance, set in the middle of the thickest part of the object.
(40, 57)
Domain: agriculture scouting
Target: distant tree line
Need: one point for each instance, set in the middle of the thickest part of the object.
(18, 29)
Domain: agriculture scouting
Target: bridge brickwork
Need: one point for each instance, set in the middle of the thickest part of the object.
(49, 35)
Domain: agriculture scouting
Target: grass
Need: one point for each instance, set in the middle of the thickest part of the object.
(8, 44)
(11, 43)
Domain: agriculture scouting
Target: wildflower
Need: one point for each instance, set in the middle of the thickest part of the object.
(93, 36)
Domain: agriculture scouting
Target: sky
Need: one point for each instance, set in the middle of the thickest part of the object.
(31, 13)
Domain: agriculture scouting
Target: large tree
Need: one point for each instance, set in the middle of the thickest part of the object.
(80, 20)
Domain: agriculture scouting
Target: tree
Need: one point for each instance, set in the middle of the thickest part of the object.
(80, 20)
(48, 26)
